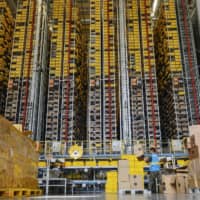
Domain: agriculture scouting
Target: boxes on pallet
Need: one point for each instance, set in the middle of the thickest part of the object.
(193, 152)
(168, 185)
(123, 163)
(182, 183)
(124, 185)
(136, 182)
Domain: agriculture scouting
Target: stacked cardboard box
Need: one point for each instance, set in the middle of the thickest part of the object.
(177, 183)
(136, 182)
(123, 175)
(182, 183)
(168, 185)
(18, 158)
(130, 176)
(136, 166)
(193, 146)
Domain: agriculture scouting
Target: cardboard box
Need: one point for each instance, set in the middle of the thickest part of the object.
(168, 185)
(182, 183)
(139, 150)
(193, 152)
(194, 131)
(123, 174)
(124, 185)
(123, 163)
(136, 182)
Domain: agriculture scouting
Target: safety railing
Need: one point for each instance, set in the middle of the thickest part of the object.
(116, 148)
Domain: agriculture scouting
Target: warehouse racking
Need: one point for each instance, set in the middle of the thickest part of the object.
(6, 33)
(141, 80)
(67, 73)
(100, 84)
(189, 61)
(101, 117)
(26, 96)
(179, 103)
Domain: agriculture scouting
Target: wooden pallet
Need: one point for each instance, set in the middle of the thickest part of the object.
(133, 192)
(19, 192)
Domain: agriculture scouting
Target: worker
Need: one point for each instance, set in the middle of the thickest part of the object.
(154, 170)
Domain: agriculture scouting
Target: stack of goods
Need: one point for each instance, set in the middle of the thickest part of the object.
(193, 145)
(131, 173)
(123, 175)
(111, 184)
(174, 183)
(18, 158)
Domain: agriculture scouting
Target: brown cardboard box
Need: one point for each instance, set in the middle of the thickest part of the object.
(194, 173)
(139, 150)
(193, 152)
(124, 185)
(195, 134)
(136, 182)
(123, 174)
(123, 163)
(167, 186)
(182, 183)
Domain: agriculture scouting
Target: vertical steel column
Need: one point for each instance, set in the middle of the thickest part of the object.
(125, 121)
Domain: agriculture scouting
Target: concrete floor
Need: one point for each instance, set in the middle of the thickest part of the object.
(123, 197)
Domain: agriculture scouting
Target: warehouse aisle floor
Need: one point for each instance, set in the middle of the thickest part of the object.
(123, 197)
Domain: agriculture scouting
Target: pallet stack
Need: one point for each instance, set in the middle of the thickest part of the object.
(127, 180)
(6, 34)
(171, 86)
(101, 117)
(18, 161)
(64, 77)
(193, 145)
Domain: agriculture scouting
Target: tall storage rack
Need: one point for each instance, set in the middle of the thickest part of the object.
(152, 115)
(64, 55)
(189, 62)
(172, 97)
(101, 117)
(138, 127)
(26, 96)
(6, 34)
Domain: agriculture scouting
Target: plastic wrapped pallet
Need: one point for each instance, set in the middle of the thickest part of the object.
(18, 158)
